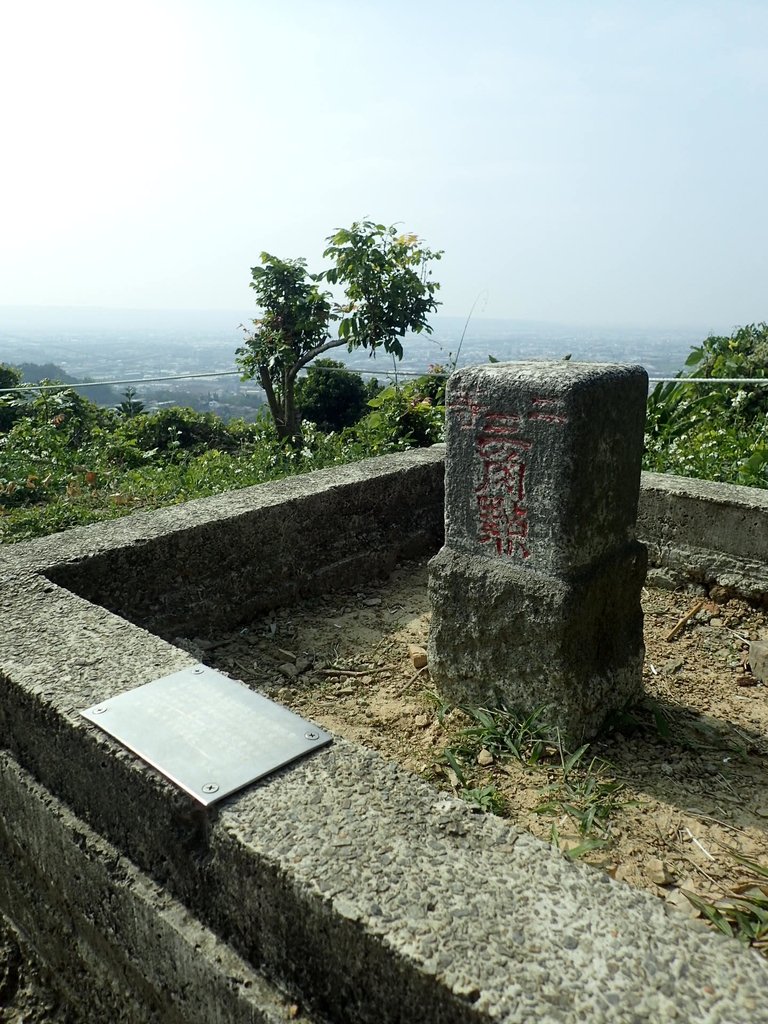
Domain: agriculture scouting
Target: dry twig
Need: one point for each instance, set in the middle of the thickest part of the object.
(678, 626)
(717, 821)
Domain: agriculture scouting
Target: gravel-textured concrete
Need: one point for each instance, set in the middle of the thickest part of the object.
(217, 561)
(706, 532)
(348, 881)
(120, 949)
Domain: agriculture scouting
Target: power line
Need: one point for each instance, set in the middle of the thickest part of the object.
(200, 376)
(342, 369)
(110, 383)
(708, 380)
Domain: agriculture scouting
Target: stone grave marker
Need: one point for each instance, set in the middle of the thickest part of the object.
(536, 592)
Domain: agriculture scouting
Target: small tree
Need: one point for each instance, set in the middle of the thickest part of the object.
(388, 291)
(331, 396)
(131, 405)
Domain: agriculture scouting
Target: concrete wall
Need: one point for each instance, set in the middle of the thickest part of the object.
(117, 946)
(341, 880)
(218, 561)
(706, 532)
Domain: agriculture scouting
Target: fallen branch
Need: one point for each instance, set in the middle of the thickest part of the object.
(678, 627)
(419, 671)
(717, 821)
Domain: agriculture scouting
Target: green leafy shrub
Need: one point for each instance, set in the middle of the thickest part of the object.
(709, 431)
(412, 414)
(177, 429)
(331, 396)
(66, 462)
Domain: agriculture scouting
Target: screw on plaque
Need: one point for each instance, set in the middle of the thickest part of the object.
(198, 670)
(99, 710)
(311, 735)
(210, 787)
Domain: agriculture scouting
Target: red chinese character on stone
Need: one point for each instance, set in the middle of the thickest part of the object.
(465, 411)
(502, 512)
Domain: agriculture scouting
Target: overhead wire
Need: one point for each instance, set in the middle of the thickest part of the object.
(339, 369)
(201, 376)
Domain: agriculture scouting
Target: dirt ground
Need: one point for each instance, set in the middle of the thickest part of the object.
(667, 802)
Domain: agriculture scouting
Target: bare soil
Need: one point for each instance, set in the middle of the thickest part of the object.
(682, 782)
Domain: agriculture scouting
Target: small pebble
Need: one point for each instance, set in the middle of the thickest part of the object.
(417, 655)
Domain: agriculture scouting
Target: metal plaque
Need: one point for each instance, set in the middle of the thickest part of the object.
(209, 734)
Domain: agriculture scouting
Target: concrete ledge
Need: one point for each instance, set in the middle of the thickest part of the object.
(120, 948)
(219, 560)
(706, 532)
(361, 886)
(344, 878)
(226, 558)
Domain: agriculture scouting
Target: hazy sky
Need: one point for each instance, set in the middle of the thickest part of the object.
(577, 161)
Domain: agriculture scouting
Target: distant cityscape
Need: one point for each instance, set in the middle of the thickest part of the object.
(103, 345)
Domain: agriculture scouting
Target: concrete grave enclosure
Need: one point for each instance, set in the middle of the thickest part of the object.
(341, 883)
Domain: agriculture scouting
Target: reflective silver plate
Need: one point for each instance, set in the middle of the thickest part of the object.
(209, 734)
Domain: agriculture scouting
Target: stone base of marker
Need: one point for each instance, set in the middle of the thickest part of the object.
(536, 594)
(574, 648)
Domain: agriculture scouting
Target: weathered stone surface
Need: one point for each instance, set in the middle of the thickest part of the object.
(572, 646)
(543, 461)
(536, 594)
(758, 659)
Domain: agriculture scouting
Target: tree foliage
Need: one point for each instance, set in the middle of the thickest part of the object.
(331, 396)
(10, 377)
(387, 291)
(710, 431)
(131, 405)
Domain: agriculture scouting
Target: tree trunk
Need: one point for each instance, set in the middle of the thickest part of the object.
(274, 406)
(282, 406)
(291, 416)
